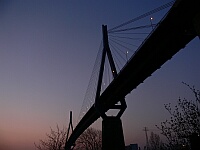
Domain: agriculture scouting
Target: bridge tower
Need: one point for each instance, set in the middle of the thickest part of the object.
(112, 130)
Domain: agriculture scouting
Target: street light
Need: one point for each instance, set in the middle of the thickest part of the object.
(127, 55)
(151, 22)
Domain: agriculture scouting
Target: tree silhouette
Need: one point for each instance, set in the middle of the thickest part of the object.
(184, 121)
(155, 142)
(55, 140)
(91, 139)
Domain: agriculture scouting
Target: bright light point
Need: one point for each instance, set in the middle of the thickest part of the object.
(113, 71)
(151, 18)
(127, 52)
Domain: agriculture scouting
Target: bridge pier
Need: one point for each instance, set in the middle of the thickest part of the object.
(112, 131)
(112, 134)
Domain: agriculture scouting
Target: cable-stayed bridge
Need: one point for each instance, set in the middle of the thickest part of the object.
(179, 26)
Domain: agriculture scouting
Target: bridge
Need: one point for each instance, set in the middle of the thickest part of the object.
(180, 25)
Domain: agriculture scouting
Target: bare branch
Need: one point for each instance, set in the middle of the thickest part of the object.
(184, 121)
(55, 140)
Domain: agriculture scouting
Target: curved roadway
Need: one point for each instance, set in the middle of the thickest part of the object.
(172, 34)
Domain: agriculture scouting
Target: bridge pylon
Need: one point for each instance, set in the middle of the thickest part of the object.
(112, 130)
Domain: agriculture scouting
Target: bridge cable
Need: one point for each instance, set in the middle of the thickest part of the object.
(144, 15)
(90, 91)
(133, 28)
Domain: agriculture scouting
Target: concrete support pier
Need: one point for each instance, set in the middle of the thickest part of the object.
(112, 134)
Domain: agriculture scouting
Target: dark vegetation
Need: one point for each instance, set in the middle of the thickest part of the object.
(55, 140)
(183, 127)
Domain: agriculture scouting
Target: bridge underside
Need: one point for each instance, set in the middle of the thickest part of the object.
(174, 32)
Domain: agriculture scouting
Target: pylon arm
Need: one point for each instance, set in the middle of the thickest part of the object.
(123, 108)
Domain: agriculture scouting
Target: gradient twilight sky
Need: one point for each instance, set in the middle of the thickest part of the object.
(47, 52)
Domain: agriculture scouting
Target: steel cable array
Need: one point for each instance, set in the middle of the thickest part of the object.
(124, 41)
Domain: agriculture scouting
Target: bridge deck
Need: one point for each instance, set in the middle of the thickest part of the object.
(173, 33)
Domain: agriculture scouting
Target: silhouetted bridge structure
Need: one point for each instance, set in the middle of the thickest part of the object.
(174, 32)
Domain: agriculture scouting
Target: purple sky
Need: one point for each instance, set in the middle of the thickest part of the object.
(47, 52)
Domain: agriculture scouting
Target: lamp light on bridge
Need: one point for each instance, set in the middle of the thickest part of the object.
(151, 22)
(126, 55)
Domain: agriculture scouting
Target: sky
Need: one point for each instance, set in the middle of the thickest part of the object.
(47, 52)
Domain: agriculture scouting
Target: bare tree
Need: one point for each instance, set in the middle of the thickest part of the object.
(55, 140)
(91, 139)
(184, 121)
(155, 142)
